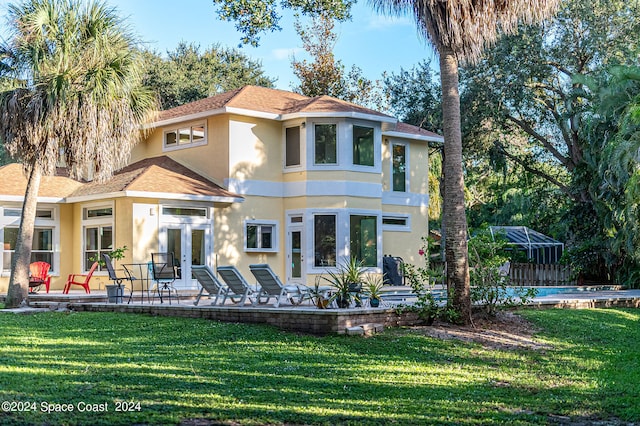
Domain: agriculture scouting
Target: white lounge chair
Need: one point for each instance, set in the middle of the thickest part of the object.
(273, 287)
(239, 288)
(208, 282)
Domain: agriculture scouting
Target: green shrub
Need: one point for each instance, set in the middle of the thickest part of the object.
(489, 260)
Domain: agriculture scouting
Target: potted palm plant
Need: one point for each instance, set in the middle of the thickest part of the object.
(347, 283)
(373, 289)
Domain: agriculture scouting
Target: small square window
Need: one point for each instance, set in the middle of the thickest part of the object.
(260, 236)
(197, 134)
(170, 138)
(186, 136)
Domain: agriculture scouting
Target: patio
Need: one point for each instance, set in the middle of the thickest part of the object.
(304, 318)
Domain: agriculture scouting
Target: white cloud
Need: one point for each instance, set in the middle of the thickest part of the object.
(286, 53)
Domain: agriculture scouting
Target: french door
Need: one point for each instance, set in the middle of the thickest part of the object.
(190, 243)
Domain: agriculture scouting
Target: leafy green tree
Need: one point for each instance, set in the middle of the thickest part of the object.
(325, 75)
(75, 87)
(415, 97)
(459, 31)
(253, 17)
(526, 90)
(613, 135)
(187, 75)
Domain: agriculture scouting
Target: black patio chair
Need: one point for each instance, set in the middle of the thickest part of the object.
(164, 273)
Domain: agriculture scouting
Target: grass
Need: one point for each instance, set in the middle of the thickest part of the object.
(175, 369)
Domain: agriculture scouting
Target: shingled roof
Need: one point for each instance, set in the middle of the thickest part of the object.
(158, 175)
(269, 101)
(13, 183)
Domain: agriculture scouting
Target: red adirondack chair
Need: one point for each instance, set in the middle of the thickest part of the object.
(39, 275)
(80, 279)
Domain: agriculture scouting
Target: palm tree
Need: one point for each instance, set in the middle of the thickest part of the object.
(70, 90)
(459, 30)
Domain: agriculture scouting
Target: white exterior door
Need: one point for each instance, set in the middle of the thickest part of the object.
(191, 243)
(295, 251)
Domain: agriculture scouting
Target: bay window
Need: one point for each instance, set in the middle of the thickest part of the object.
(325, 144)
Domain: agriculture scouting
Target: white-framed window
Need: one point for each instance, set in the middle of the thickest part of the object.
(325, 137)
(181, 211)
(363, 146)
(46, 234)
(325, 250)
(97, 233)
(185, 136)
(399, 166)
(292, 152)
(396, 222)
(363, 239)
(261, 236)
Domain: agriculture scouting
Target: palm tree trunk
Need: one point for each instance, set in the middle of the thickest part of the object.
(19, 281)
(456, 253)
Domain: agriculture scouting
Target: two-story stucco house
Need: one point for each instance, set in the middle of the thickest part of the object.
(254, 175)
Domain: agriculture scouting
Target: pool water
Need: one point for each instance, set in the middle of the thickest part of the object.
(408, 296)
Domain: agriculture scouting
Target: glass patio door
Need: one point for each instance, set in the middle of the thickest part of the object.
(295, 252)
(189, 244)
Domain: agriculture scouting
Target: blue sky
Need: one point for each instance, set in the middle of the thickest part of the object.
(373, 42)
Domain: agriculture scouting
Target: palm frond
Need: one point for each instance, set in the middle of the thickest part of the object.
(467, 26)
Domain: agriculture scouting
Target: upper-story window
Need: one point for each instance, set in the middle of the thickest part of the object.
(325, 144)
(186, 136)
(292, 147)
(363, 147)
(399, 166)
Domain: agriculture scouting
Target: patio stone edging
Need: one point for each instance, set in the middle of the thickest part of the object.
(311, 321)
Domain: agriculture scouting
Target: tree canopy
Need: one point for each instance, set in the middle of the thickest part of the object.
(527, 100)
(324, 75)
(72, 89)
(186, 74)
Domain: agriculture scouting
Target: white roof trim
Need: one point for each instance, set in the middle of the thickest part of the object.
(162, 195)
(271, 116)
(340, 114)
(396, 134)
(183, 118)
(20, 199)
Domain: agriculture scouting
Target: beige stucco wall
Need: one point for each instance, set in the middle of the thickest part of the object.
(210, 160)
(229, 234)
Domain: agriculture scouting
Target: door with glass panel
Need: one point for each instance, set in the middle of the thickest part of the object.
(295, 253)
(189, 243)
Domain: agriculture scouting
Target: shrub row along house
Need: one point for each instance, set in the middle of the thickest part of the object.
(253, 175)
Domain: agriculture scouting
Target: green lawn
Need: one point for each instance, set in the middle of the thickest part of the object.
(174, 369)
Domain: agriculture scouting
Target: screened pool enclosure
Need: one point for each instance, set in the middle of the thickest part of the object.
(539, 248)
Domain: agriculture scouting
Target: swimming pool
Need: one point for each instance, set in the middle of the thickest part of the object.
(405, 295)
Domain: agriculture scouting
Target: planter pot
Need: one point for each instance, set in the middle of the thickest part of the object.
(374, 303)
(322, 303)
(343, 302)
(114, 294)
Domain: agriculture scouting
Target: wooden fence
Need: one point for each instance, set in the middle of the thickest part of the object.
(540, 274)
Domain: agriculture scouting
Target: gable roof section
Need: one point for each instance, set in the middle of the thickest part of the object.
(268, 103)
(404, 130)
(53, 189)
(156, 177)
